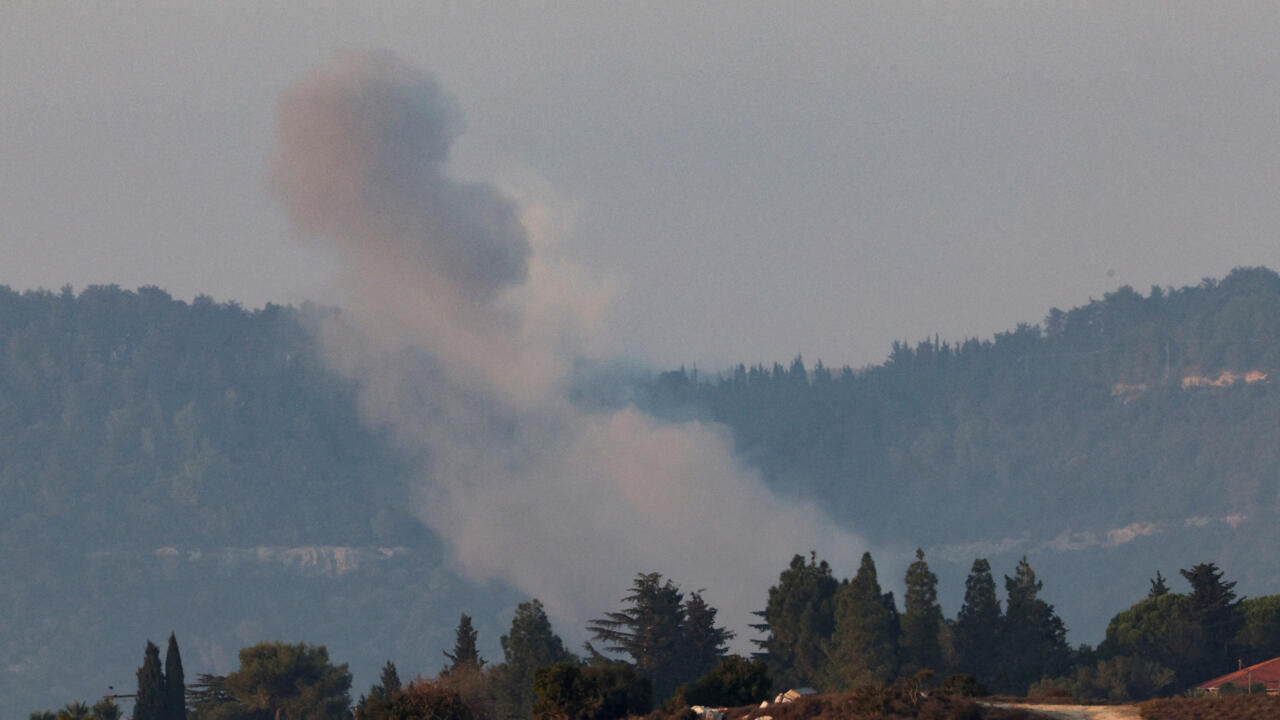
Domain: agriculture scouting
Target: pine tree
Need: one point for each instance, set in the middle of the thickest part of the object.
(799, 619)
(705, 645)
(529, 645)
(1215, 609)
(175, 701)
(149, 703)
(977, 630)
(864, 646)
(921, 619)
(650, 630)
(277, 680)
(1158, 586)
(1034, 638)
(465, 657)
(388, 682)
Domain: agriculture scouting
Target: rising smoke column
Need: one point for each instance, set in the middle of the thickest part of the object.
(439, 285)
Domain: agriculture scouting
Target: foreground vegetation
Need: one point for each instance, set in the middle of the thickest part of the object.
(1239, 707)
(662, 652)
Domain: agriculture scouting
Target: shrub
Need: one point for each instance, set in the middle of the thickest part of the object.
(964, 686)
(599, 692)
(735, 681)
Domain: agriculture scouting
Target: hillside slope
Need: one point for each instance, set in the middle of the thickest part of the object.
(1129, 434)
(195, 467)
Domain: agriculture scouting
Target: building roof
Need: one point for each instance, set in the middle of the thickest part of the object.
(1267, 673)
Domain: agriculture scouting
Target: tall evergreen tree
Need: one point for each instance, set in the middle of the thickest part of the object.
(864, 646)
(705, 644)
(1158, 586)
(175, 701)
(378, 701)
(388, 682)
(530, 644)
(1216, 610)
(150, 701)
(1034, 639)
(921, 619)
(465, 657)
(977, 630)
(650, 630)
(798, 620)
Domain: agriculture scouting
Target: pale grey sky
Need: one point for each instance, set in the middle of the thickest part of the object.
(753, 179)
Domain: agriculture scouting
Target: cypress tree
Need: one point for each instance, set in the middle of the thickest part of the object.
(175, 701)
(388, 682)
(864, 645)
(149, 704)
(978, 623)
(1158, 586)
(464, 657)
(921, 619)
(530, 644)
(1034, 640)
(799, 619)
(705, 643)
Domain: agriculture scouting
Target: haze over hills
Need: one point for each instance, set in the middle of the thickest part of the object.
(1129, 434)
(198, 467)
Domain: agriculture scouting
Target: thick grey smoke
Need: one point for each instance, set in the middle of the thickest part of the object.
(462, 335)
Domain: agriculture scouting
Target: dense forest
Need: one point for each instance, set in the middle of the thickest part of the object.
(194, 465)
(168, 464)
(1106, 441)
(1122, 410)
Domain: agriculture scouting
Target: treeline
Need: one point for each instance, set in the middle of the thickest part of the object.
(663, 649)
(139, 420)
(1086, 413)
(132, 421)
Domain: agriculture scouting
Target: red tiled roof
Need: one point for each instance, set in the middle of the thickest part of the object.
(1267, 673)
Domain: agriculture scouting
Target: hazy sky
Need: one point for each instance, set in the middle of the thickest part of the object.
(750, 180)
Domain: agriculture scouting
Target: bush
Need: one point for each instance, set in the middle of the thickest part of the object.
(1117, 679)
(432, 700)
(599, 692)
(964, 686)
(735, 681)
(422, 699)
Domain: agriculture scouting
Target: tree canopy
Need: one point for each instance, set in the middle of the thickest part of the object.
(798, 619)
(669, 641)
(290, 682)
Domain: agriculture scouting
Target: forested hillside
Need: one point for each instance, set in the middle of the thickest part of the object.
(195, 467)
(144, 422)
(1106, 412)
(1112, 438)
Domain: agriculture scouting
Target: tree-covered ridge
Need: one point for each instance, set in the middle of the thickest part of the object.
(1087, 413)
(151, 421)
(179, 462)
(131, 422)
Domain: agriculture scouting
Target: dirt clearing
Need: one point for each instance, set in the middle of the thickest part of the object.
(1078, 712)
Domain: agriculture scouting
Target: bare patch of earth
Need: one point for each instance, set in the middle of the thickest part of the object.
(1077, 712)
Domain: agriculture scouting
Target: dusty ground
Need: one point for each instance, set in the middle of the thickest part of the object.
(1079, 712)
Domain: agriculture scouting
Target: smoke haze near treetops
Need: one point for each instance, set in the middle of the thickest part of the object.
(461, 333)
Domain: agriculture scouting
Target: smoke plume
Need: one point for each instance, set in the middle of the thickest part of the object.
(462, 335)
